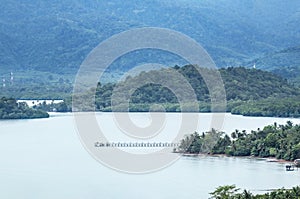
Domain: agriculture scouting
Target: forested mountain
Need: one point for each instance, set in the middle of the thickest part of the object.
(240, 84)
(285, 63)
(46, 41)
(248, 92)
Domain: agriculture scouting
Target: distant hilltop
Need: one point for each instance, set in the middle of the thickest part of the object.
(48, 40)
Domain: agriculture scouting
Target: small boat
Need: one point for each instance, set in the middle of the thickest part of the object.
(297, 162)
(289, 167)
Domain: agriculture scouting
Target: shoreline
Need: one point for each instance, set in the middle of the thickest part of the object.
(267, 159)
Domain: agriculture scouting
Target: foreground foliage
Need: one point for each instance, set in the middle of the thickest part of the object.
(10, 109)
(278, 141)
(231, 192)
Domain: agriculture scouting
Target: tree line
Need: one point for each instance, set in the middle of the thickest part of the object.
(278, 141)
(249, 92)
(10, 109)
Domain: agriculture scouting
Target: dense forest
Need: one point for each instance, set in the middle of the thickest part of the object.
(231, 192)
(10, 109)
(284, 63)
(278, 141)
(36, 86)
(279, 107)
(249, 92)
(55, 37)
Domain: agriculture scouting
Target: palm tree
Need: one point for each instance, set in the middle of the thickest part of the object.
(233, 135)
(246, 194)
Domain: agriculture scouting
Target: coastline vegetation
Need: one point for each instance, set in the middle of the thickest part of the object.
(277, 141)
(10, 109)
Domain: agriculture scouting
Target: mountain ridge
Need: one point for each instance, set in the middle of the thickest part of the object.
(56, 36)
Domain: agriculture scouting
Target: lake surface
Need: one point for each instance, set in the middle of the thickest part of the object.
(44, 158)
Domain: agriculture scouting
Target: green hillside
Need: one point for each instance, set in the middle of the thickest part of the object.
(245, 90)
(54, 37)
(285, 63)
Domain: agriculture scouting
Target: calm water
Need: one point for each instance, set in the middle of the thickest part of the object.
(45, 159)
